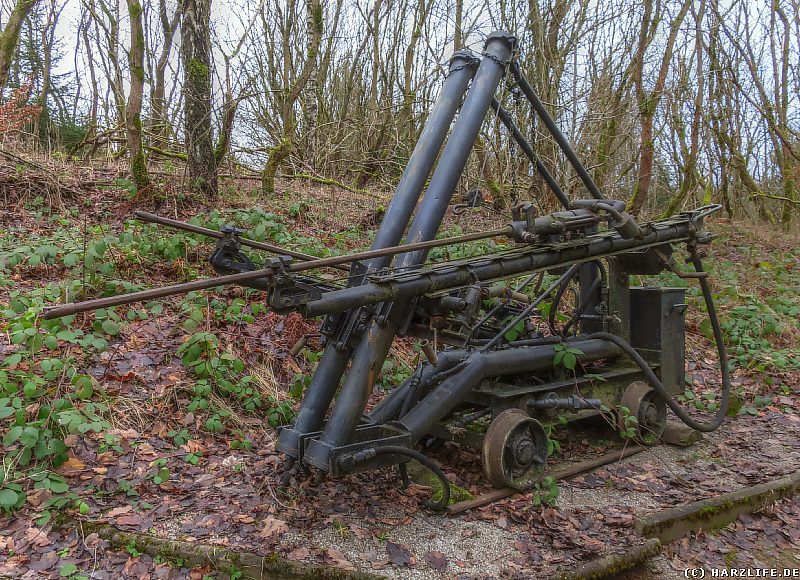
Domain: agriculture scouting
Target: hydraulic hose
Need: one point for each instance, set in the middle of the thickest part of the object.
(658, 386)
(425, 461)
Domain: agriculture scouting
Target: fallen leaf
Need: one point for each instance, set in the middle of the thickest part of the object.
(334, 557)
(273, 527)
(436, 560)
(37, 537)
(199, 572)
(72, 467)
(46, 562)
(37, 496)
(118, 511)
(399, 555)
(300, 553)
(193, 446)
(129, 520)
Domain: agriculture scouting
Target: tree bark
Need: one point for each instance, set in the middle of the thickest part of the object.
(160, 127)
(201, 165)
(133, 110)
(281, 151)
(648, 104)
(458, 34)
(9, 37)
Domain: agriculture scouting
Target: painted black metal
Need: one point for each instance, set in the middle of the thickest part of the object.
(505, 118)
(555, 131)
(479, 366)
(371, 352)
(657, 331)
(326, 378)
(481, 369)
(498, 266)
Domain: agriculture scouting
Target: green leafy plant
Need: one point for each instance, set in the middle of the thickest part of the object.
(162, 473)
(130, 547)
(545, 492)
(566, 356)
(192, 458)
(629, 428)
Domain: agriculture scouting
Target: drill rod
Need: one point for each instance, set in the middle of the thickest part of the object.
(75, 307)
(164, 221)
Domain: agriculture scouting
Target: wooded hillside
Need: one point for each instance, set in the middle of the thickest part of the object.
(670, 103)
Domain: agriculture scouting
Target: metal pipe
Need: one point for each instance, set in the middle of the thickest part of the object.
(463, 65)
(529, 308)
(75, 307)
(555, 131)
(374, 346)
(590, 297)
(497, 51)
(483, 365)
(164, 221)
(505, 118)
(328, 374)
(502, 266)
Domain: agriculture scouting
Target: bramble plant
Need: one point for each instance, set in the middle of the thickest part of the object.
(630, 424)
(566, 356)
(545, 492)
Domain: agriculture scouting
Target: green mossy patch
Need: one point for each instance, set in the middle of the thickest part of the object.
(715, 512)
(249, 564)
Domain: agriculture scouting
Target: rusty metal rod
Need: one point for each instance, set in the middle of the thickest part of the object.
(186, 287)
(164, 221)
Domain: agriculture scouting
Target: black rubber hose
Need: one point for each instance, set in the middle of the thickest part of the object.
(425, 461)
(551, 316)
(654, 381)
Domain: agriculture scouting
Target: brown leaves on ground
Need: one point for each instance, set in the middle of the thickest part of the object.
(399, 555)
(333, 557)
(273, 528)
(436, 560)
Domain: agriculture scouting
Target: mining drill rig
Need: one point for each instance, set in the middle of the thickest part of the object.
(497, 356)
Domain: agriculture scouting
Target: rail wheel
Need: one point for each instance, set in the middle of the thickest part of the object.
(650, 411)
(514, 450)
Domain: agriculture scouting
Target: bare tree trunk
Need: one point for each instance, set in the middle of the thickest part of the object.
(310, 105)
(47, 36)
(159, 124)
(196, 51)
(691, 179)
(133, 110)
(10, 36)
(281, 151)
(458, 35)
(648, 104)
(92, 129)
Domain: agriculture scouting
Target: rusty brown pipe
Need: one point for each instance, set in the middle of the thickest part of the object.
(107, 302)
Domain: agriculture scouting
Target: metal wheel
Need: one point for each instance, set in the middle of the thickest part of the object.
(514, 450)
(649, 409)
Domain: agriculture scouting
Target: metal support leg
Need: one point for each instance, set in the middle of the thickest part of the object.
(371, 352)
(326, 379)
